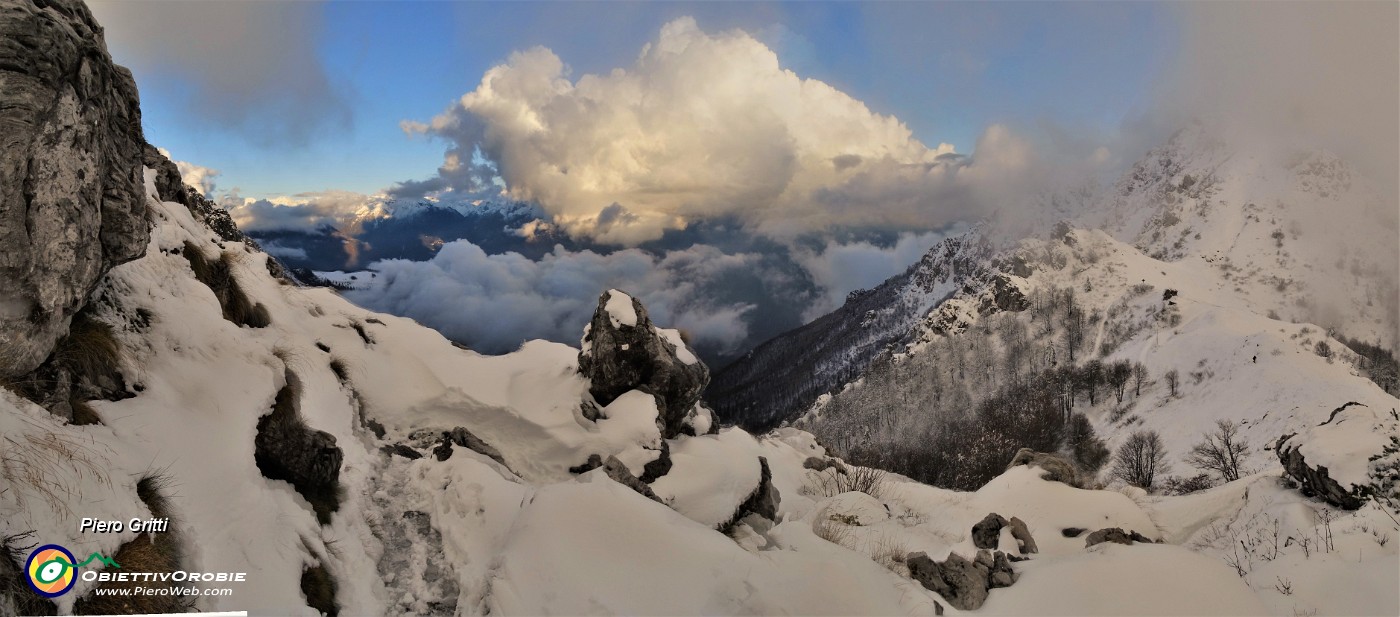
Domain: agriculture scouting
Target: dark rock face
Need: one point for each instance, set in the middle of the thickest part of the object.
(763, 501)
(401, 450)
(286, 449)
(623, 351)
(1003, 295)
(72, 196)
(987, 532)
(659, 467)
(1115, 535)
(1057, 469)
(964, 584)
(1314, 481)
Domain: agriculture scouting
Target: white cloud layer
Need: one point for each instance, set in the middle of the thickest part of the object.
(199, 177)
(493, 302)
(840, 268)
(701, 126)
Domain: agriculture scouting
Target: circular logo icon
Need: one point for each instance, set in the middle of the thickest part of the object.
(51, 571)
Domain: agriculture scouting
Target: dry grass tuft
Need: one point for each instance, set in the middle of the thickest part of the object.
(341, 370)
(83, 413)
(149, 552)
(217, 275)
(90, 349)
(16, 598)
(319, 588)
(47, 464)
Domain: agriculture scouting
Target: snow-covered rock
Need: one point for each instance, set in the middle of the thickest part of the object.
(623, 351)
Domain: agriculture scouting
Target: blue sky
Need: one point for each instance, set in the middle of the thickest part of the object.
(945, 69)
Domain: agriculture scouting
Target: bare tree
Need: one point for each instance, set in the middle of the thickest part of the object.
(1222, 451)
(1092, 376)
(1139, 378)
(1118, 375)
(1173, 380)
(1141, 459)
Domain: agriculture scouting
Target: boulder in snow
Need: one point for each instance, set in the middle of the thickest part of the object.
(623, 351)
(1057, 469)
(819, 464)
(987, 532)
(963, 583)
(763, 501)
(1345, 460)
(1117, 536)
(1022, 534)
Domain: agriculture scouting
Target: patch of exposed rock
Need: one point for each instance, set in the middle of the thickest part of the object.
(462, 437)
(285, 448)
(619, 473)
(964, 584)
(1057, 468)
(72, 196)
(1117, 536)
(1313, 481)
(986, 533)
(763, 501)
(622, 351)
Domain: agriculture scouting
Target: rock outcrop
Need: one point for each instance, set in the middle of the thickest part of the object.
(1313, 481)
(72, 196)
(285, 448)
(763, 501)
(987, 532)
(462, 437)
(1057, 468)
(963, 583)
(1117, 536)
(619, 473)
(623, 351)
(1022, 535)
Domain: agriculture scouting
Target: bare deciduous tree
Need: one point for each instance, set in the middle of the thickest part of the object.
(1173, 380)
(1141, 459)
(1222, 452)
(1118, 375)
(1139, 378)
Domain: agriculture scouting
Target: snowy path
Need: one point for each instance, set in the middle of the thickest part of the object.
(417, 578)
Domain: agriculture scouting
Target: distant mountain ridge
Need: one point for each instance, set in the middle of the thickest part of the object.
(415, 230)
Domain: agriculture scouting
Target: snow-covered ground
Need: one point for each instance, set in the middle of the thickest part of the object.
(472, 535)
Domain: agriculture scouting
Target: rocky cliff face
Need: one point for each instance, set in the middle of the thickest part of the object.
(72, 198)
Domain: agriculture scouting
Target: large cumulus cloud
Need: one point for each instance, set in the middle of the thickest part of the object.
(701, 126)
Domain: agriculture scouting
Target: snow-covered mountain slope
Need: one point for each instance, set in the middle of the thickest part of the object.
(511, 521)
(1298, 234)
(1300, 238)
(783, 376)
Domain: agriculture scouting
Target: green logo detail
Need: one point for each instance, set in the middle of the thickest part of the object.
(55, 568)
